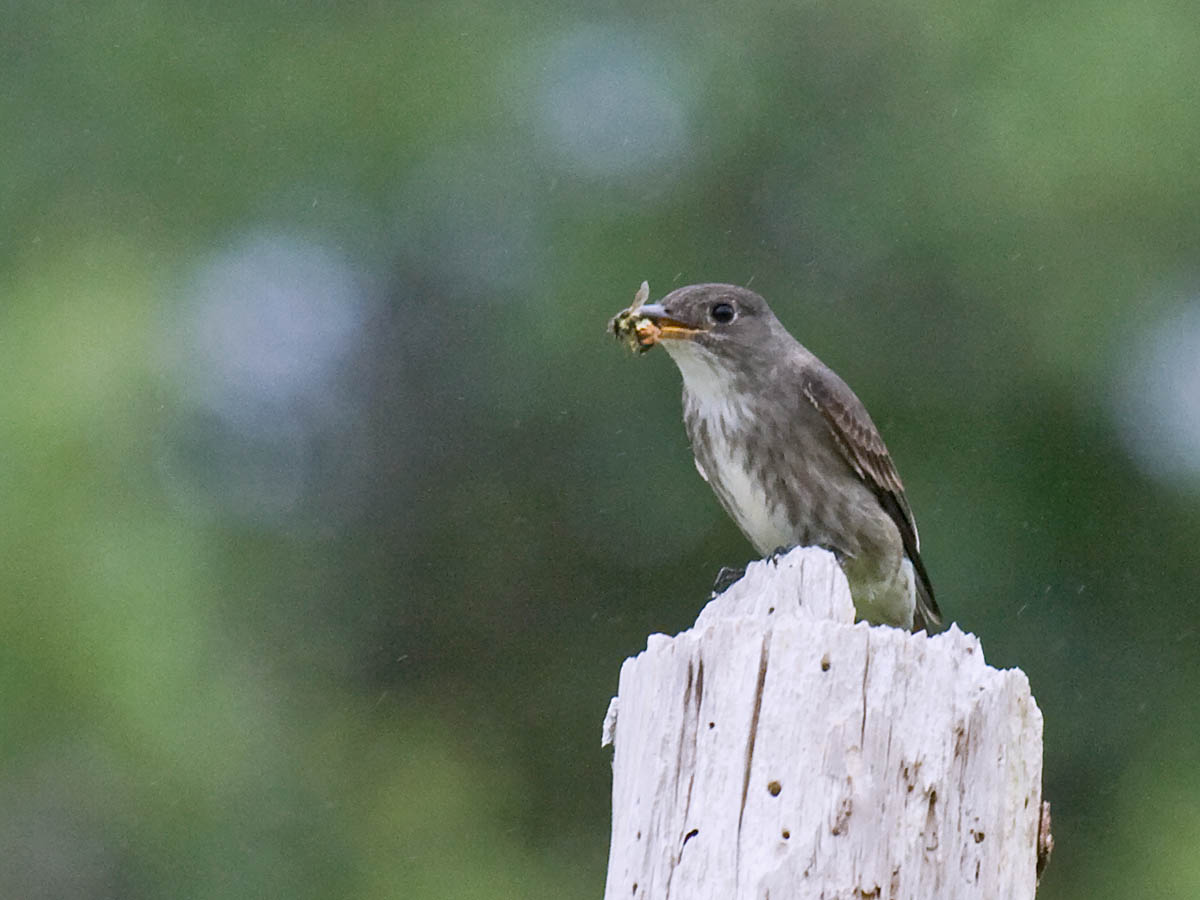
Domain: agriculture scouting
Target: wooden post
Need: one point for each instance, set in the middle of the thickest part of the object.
(778, 750)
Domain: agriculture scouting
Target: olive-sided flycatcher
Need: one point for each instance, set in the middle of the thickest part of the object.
(788, 448)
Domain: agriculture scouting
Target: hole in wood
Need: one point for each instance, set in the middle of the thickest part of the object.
(774, 787)
(825, 663)
(786, 834)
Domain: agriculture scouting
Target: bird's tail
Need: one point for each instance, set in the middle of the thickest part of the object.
(927, 616)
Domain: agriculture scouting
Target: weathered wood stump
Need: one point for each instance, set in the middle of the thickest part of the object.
(778, 750)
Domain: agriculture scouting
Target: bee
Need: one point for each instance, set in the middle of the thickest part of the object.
(637, 331)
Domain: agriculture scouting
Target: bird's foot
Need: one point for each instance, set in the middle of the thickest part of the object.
(726, 578)
(838, 554)
(780, 552)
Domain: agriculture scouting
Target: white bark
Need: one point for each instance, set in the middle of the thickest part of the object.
(777, 750)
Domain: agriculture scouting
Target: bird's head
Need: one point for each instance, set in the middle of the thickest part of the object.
(718, 324)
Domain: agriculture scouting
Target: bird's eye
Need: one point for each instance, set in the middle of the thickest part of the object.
(722, 313)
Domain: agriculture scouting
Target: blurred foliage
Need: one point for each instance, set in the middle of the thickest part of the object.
(330, 512)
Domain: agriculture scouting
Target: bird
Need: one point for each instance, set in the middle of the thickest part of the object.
(787, 447)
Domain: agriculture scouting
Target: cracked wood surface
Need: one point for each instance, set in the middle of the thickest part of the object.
(776, 749)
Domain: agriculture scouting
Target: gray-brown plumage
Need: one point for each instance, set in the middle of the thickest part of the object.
(789, 450)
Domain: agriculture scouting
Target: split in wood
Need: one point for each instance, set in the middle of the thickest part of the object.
(1045, 840)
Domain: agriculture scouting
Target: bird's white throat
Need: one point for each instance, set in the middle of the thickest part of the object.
(708, 384)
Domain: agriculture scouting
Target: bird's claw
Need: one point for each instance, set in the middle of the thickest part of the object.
(838, 554)
(779, 553)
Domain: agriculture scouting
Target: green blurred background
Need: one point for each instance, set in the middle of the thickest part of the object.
(330, 512)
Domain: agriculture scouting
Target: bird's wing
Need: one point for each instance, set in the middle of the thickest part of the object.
(859, 442)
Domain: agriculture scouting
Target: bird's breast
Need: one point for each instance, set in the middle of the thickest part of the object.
(728, 444)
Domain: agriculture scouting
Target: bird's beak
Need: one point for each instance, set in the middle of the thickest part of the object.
(669, 328)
